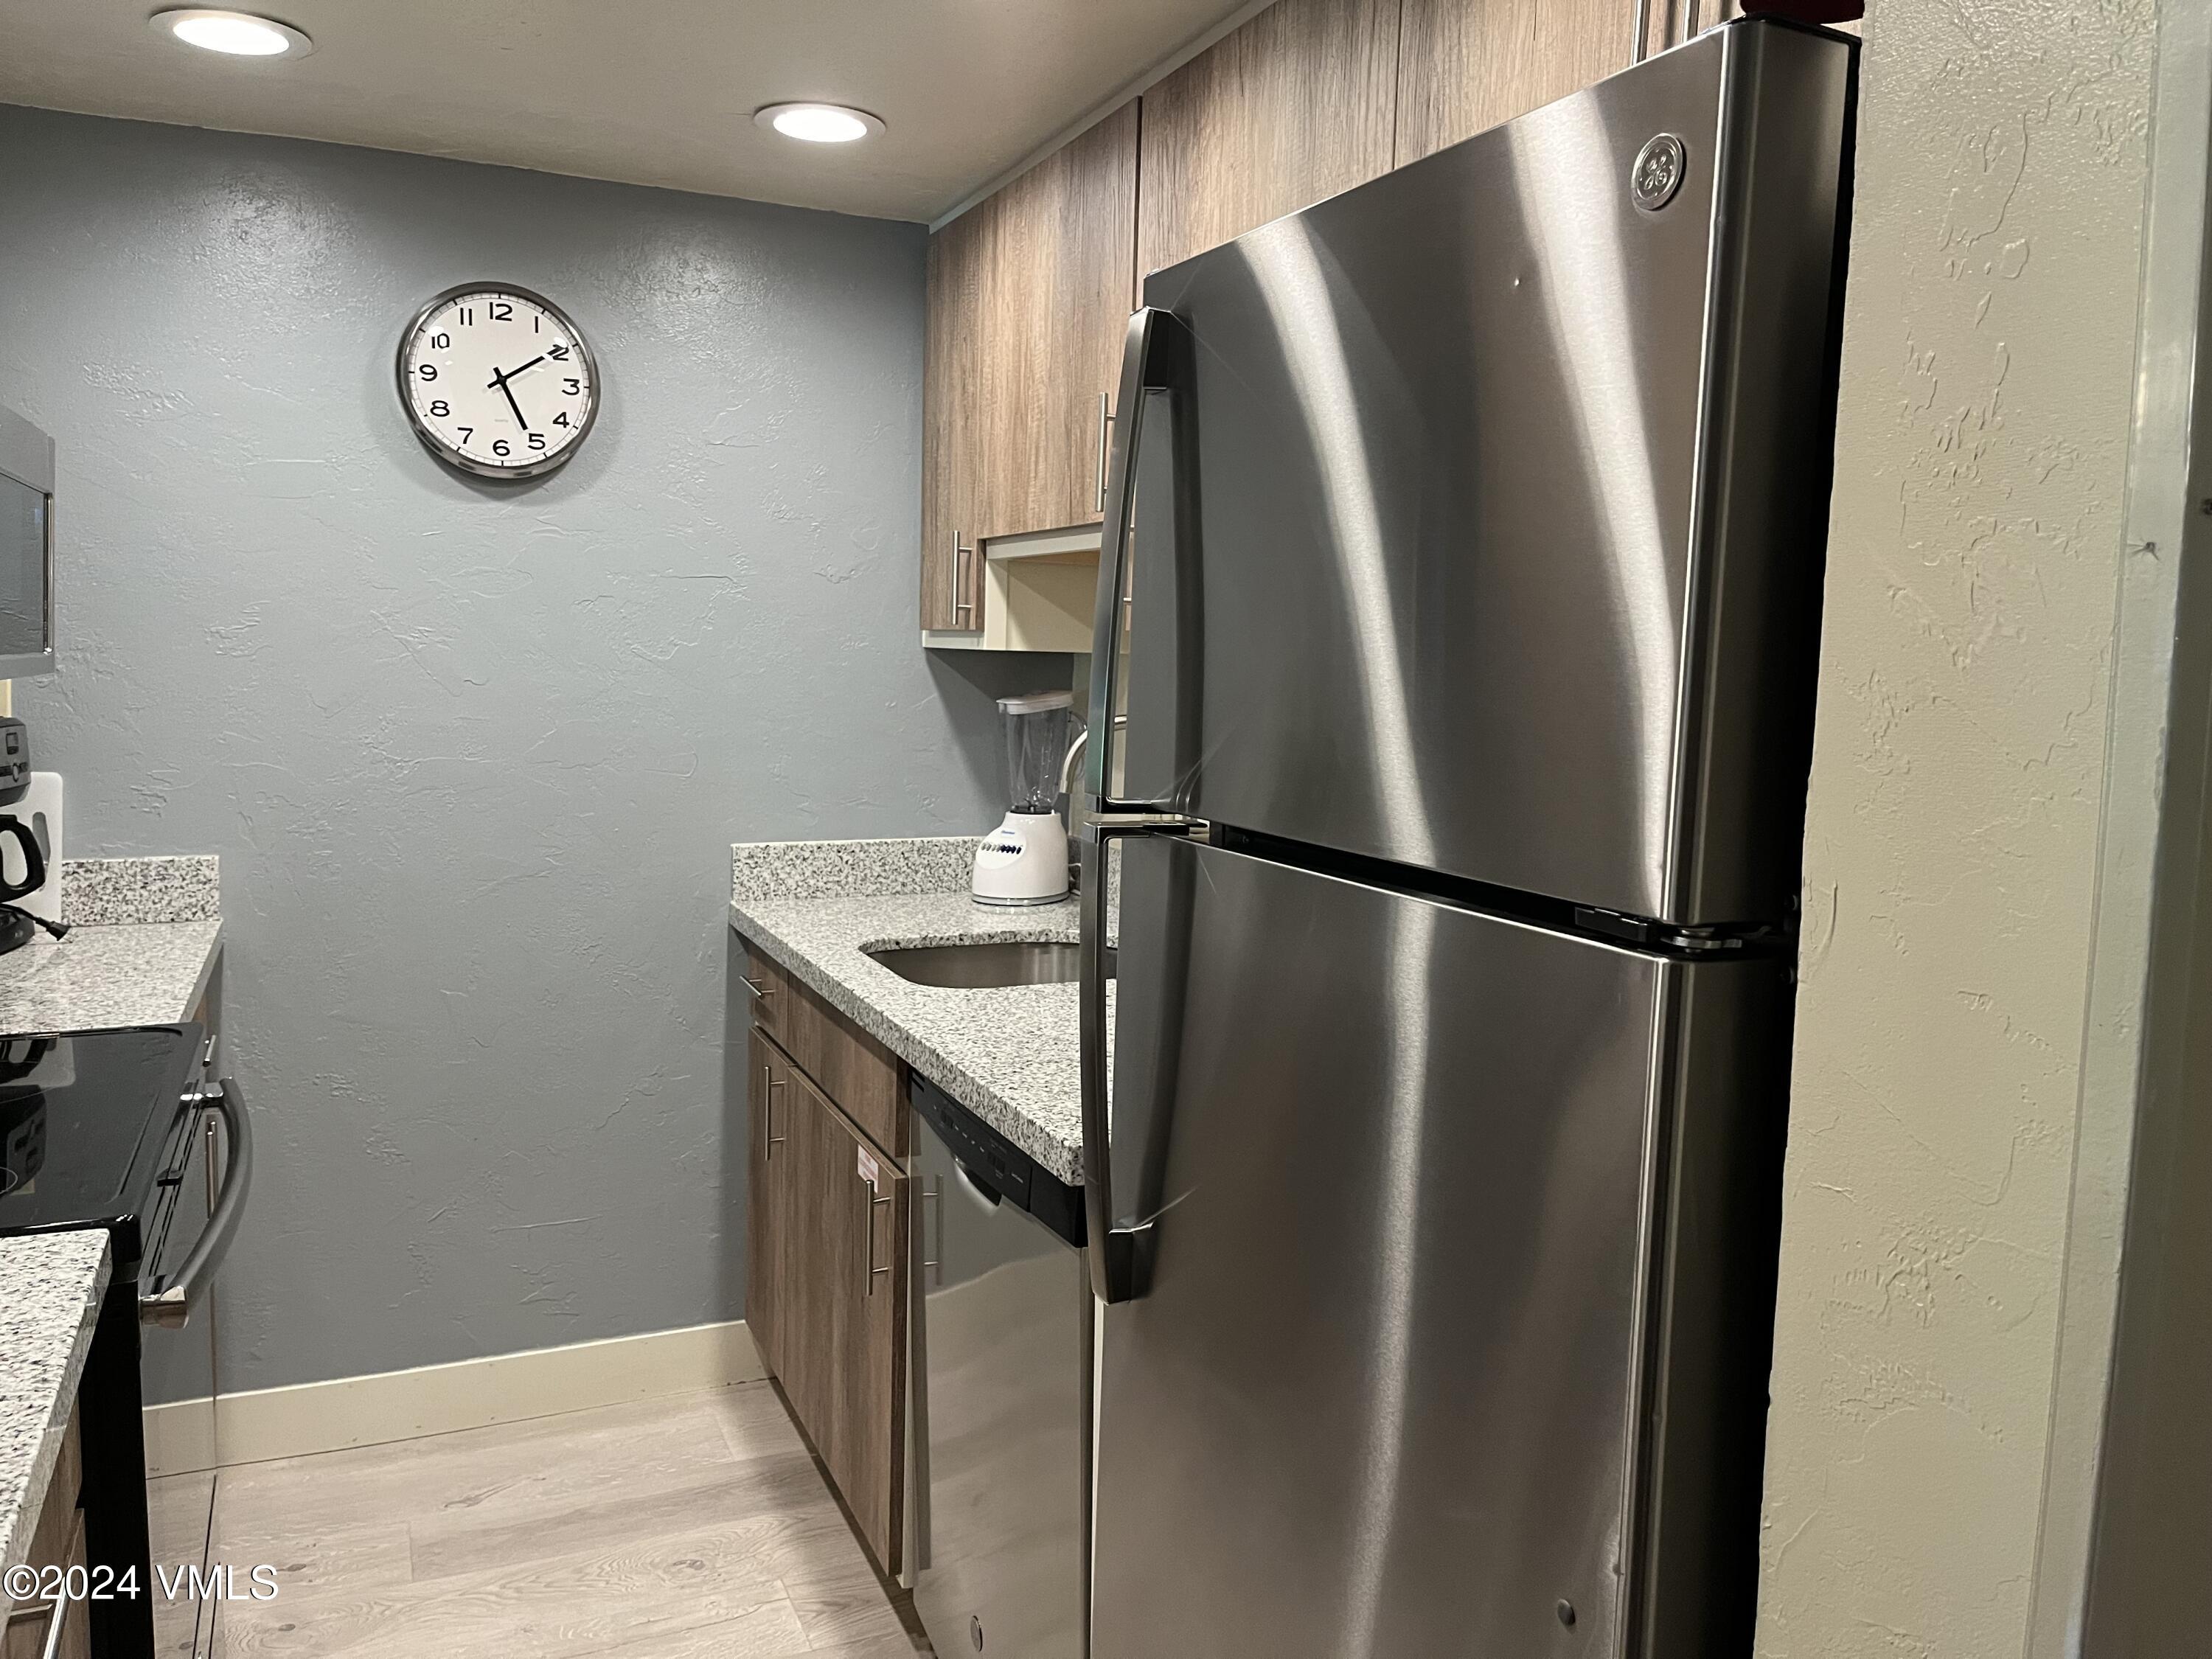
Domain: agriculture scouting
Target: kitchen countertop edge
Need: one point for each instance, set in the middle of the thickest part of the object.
(124, 974)
(1041, 1117)
(39, 1412)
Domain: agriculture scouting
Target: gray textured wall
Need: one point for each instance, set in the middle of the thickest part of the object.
(473, 756)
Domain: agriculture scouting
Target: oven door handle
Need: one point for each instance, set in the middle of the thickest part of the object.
(173, 1306)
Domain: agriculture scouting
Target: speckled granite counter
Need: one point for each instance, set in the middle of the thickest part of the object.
(1009, 1055)
(112, 975)
(143, 938)
(50, 1292)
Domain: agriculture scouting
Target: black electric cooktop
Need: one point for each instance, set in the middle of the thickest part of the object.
(86, 1125)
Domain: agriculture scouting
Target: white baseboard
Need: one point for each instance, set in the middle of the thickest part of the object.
(470, 1394)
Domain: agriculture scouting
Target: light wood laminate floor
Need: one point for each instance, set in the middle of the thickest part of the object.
(697, 1527)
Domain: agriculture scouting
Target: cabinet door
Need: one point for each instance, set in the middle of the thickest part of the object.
(1466, 65)
(1062, 283)
(1294, 106)
(768, 1164)
(953, 410)
(844, 1309)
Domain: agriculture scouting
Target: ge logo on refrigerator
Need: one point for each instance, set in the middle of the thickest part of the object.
(1658, 172)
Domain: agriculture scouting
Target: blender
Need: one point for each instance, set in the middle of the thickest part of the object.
(1024, 859)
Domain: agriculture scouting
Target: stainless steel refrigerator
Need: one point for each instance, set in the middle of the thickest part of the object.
(1454, 665)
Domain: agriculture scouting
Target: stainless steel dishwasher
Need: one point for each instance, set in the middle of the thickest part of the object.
(1002, 1353)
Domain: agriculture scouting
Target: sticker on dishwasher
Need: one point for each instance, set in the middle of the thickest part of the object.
(869, 1169)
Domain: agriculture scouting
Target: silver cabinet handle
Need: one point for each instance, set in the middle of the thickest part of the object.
(1105, 434)
(769, 1083)
(173, 1307)
(868, 1228)
(961, 604)
(760, 993)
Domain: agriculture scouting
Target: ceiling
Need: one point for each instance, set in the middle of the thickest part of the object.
(648, 92)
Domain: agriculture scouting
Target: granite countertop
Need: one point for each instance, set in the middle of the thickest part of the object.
(50, 1291)
(143, 941)
(1009, 1055)
(97, 977)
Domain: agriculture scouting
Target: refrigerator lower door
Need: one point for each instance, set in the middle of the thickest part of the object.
(1452, 1334)
(1004, 1425)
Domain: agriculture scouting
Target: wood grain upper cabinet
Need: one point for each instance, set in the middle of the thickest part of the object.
(953, 408)
(1030, 294)
(1063, 283)
(1466, 65)
(1293, 107)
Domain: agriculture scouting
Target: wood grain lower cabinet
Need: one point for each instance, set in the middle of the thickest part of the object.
(826, 1274)
(57, 1541)
(1293, 107)
(853, 1269)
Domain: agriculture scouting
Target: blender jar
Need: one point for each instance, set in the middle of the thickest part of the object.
(1036, 746)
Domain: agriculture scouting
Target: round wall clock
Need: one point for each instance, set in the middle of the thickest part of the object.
(497, 381)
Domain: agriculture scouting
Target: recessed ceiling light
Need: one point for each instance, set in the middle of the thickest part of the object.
(819, 123)
(240, 33)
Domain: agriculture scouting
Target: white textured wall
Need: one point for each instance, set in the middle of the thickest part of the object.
(1951, 851)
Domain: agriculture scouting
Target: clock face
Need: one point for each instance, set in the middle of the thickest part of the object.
(497, 381)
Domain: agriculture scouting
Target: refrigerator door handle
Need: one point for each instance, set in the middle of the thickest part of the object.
(1145, 366)
(1114, 1257)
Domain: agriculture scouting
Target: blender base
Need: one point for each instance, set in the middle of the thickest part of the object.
(1023, 861)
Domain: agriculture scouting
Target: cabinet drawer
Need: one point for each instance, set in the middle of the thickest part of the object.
(862, 1077)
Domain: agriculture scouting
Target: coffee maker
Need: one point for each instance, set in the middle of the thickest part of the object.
(1024, 859)
(17, 926)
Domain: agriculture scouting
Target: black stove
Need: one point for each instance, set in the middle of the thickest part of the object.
(120, 1130)
(88, 1123)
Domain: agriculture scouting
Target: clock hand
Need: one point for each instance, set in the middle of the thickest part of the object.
(499, 382)
(532, 363)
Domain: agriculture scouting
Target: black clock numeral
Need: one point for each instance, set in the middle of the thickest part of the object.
(427, 371)
(440, 408)
(468, 317)
(559, 354)
(440, 342)
(538, 441)
(499, 446)
(561, 419)
(467, 433)
(534, 320)
(500, 311)
(572, 387)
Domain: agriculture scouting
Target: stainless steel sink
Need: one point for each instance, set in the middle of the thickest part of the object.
(987, 965)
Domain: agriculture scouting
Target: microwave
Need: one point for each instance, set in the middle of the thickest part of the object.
(27, 549)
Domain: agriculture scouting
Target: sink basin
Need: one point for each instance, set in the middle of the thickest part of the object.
(986, 966)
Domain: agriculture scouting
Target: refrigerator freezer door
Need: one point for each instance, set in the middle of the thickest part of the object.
(1504, 498)
(1379, 1390)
